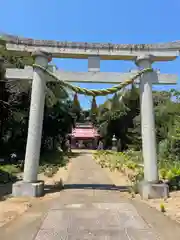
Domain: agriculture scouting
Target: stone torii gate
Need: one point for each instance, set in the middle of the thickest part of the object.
(143, 56)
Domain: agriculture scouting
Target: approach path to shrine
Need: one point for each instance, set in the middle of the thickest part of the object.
(91, 207)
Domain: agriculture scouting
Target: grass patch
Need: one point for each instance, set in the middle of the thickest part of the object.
(51, 161)
(131, 164)
(8, 173)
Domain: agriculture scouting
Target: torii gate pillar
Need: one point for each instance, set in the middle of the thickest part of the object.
(30, 186)
(149, 188)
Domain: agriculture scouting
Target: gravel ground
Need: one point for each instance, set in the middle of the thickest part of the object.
(11, 208)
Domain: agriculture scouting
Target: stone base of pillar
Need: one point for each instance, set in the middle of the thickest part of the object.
(153, 190)
(27, 189)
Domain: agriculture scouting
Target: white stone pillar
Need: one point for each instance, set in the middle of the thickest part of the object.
(35, 119)
(148, 121)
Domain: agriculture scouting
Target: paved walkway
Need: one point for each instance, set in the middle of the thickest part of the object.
(92, 208)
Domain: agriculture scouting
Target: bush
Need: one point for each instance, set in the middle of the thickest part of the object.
(51, 161)
(8, 173)
(130, 163)
(126, 162)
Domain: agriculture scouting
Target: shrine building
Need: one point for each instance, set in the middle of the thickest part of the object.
(84, 136)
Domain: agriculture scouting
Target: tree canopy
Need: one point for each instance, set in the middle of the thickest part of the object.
(120, 115)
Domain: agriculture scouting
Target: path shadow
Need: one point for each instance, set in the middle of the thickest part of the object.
(73, 154)
(6, 182)
(79, 152)
(173, 183)
(109, 187)
(106, 187)
(52, 189)
(5, 190)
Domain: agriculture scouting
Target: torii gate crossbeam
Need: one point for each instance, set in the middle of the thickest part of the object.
(90, 77)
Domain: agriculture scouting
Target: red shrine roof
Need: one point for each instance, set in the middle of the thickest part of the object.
(84, 131)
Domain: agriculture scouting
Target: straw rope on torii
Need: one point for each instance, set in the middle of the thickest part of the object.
(95, 92)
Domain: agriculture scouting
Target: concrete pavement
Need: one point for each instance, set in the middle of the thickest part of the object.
(91, 207)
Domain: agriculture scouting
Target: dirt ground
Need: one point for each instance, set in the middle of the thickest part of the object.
(13, 207)
(172, 204)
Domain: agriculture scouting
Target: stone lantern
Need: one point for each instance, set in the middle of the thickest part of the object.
(114, 143)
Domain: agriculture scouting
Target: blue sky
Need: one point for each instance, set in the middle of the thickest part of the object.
(115, 21)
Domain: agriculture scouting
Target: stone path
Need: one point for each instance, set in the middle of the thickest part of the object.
(90, 208)
(86, 213)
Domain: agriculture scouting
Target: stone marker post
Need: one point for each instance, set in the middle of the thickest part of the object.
(30, 186)
(150, 187)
